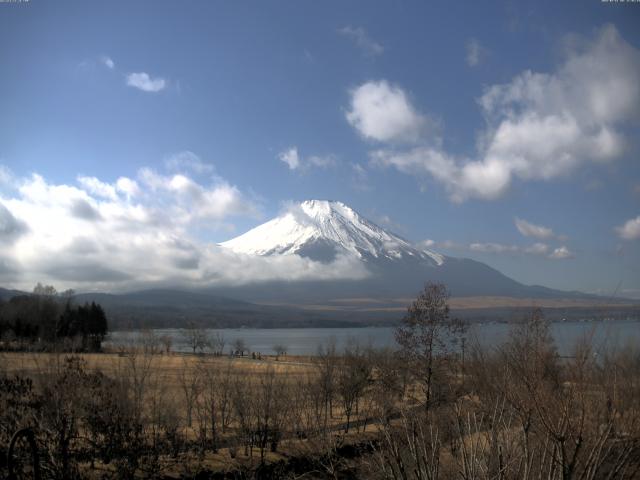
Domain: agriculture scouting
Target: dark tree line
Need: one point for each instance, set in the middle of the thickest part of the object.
(47, 318)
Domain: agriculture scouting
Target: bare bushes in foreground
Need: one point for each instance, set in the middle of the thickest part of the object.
(525, 413)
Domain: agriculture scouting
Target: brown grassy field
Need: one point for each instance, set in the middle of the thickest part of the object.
(169, 379)
(166, 366)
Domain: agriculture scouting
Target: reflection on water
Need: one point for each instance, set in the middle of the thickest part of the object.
(305, 341)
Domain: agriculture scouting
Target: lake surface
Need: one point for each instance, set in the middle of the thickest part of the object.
(306, 341)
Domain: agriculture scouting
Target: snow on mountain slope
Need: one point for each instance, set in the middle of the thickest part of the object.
(321, 229)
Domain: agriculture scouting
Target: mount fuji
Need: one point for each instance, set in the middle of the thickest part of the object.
(321, 230)
(324, 231)
(337, 238)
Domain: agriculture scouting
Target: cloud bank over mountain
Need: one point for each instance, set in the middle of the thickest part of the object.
(137, 232)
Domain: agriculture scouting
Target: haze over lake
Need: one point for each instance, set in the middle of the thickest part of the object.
(305, 341)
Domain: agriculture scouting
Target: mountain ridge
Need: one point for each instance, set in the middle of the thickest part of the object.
(323, 229)
(315, 227)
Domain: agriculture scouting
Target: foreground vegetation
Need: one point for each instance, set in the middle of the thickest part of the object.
(437, 408)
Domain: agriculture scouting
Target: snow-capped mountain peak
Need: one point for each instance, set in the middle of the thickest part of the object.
(321, 229)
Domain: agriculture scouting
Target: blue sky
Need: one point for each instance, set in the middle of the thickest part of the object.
(445, 122)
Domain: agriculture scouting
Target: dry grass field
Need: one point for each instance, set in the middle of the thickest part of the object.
(180, 384)
(167, 367)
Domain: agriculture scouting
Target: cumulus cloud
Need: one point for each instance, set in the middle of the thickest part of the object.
(128, 187)
(540, 126)
(529, 229)
(95, 187)
(475, 52)
(561, 253)
(10, 227)
(136, 233)
(363, 41)
(295, 161)
(108, 62)
(290, 157)
(630, 230)
(82, 209)
(194, 201)
(381, 111)
(142, 81)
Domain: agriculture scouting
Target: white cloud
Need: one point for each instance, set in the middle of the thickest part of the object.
(135, 234)
(561, 253)
(295, 161)
(95, 187)
(10, 227)
(382, 112)
(188, 161)
(107, 62)
(630, 230)
(540, 126)
(194, 201)
(128, 187)
(144, 82)
(359, 35)
(538, 249)
(532, 230)
(475, 52)
(290, 157)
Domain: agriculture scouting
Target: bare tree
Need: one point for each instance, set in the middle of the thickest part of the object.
(354, 374)
(269, 400)
(190, 384)
(217, 343)
(243, 408)
(239, 345)
(426, 333)
(280, 350)
(167, 342)
(390, 382)
(196, 338)
(326, 365)
(149, 342)
(210, 401)
(225, 385)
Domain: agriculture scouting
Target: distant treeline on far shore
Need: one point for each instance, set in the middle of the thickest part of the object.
(46, 320)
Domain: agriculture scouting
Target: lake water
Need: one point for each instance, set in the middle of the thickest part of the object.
(305, 341)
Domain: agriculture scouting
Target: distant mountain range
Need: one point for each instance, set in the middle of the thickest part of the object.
(325, 231)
